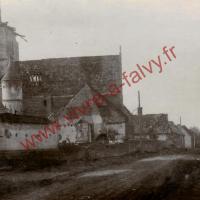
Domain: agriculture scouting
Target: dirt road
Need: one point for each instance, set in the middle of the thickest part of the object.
(123, 178)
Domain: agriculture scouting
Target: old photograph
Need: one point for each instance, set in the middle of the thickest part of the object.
(99, 100)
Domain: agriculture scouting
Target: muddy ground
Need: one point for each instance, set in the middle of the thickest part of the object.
(165, 177)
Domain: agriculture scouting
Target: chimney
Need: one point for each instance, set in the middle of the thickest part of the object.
(139, 105)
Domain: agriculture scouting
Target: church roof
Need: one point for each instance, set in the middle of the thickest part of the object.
(68, 75)
(61, 78)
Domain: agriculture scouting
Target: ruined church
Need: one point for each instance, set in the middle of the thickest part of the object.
(35, 90)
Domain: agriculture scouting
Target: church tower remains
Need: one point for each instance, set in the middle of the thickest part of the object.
(11, 84)
(12, 96)
(9, 51)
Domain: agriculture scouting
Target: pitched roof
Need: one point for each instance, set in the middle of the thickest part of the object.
(106, 109)
(184, 130)
(174, 128)
(69, 75)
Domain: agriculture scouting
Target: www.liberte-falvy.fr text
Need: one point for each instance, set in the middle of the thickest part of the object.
(131, 78)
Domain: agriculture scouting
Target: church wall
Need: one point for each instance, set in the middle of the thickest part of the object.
(44, 105)
(12, 90)
(35, 106)
(12, 96)
(8, 47)
(12, 45)
(3, 44)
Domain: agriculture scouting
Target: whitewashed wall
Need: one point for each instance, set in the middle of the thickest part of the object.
(162, 137)
(120, 128)
(188, 140)
(20, 132)
(68, 132)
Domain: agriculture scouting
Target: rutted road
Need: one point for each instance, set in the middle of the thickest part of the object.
(121, 180)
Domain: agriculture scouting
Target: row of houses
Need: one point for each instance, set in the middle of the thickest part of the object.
(104, 123)
(158, 127)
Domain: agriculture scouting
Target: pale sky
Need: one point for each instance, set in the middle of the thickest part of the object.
(68, 28)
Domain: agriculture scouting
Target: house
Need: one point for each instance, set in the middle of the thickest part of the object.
(150, 126)
(176, 137)
(196, 133)
(189, 137)
(88, 123)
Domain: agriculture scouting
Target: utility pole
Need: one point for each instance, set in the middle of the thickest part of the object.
(120, 50)
(139, 105)
(140, 119)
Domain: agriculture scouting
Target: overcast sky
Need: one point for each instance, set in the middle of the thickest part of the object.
(68, 28)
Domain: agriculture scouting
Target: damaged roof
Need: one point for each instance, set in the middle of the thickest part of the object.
(69, 75)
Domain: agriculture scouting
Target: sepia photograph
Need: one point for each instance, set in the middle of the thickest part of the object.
(99, 100)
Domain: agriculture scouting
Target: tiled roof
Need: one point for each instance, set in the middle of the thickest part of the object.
(68, 75)
(107, 110)
(174, 128)
(151, 123)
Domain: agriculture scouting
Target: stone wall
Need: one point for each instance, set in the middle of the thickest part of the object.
(12, 134)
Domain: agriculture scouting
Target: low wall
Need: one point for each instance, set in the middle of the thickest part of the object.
(74, 153)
